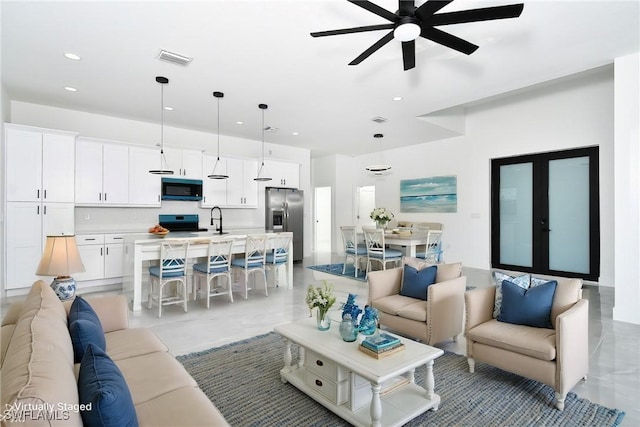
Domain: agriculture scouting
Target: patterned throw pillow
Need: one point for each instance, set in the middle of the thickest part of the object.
(521, 281)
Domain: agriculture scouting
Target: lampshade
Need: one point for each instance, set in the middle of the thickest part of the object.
(60, 257)
(262, 172)
(218, 175)
(163, 161)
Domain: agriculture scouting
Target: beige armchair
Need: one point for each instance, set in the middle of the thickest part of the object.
(438, 318)
(558, 357)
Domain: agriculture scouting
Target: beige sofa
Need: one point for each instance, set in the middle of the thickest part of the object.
(558, 357)
(432, 321)
(37, 365)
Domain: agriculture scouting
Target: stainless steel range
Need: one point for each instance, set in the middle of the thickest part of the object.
(180, 222)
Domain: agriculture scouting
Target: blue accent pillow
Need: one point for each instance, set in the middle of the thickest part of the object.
(531, 307)
(415, 282)
(101, 384)
(84, 328)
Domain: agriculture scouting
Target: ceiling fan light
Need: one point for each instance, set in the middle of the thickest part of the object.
(407, 32)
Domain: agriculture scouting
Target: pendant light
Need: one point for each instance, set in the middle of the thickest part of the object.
(262, 171)
(163, 81)
(380, 168)
(215, 175)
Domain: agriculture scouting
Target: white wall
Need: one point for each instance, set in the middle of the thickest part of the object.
(627, 189)
(570, 114)
(143, 133)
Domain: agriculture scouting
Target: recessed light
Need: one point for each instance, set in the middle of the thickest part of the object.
(70, 89)
(239, 122)
(397, 98)
(295, 133)
(72, 56)
(168, 108)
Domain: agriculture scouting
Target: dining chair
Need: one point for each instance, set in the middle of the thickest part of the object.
(433, 248)
(376, 250)
(215, 268)
(254, 261)
(278, 254)
(171, 269)
(351, 249)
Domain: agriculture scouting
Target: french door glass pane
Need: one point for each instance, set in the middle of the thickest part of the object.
(569, 235)
(516, 214)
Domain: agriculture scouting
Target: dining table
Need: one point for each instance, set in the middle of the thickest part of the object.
(143, 248)
(407, 241)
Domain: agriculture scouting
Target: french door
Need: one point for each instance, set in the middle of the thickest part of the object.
(545, 213)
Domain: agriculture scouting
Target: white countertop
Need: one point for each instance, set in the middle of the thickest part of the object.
(141, 238)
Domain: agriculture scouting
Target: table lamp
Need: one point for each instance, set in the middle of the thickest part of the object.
(61, 258)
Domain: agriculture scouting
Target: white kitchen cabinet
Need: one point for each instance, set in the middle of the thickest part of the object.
(39, 164)
(284, 174)
(214, 191)
(242, 190)
(114, 255)
(28, 224)
(102, 256)
(102, 173)
(185, 163)
(144, 187)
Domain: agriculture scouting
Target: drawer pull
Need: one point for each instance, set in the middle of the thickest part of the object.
(319, 383)
(319, 363)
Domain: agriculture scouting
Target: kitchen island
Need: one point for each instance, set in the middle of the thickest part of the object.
(141, 247)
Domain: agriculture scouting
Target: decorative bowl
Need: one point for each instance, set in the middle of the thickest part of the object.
(160, 233)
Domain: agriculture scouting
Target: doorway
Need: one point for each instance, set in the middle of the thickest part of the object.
(366, 202)
(546, 213)
(323, 219)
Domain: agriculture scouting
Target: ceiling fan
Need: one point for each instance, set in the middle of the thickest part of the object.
(409, 22)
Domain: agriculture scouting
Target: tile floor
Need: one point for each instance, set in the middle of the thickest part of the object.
(614, 378)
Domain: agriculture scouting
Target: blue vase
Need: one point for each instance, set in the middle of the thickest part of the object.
(369, 321)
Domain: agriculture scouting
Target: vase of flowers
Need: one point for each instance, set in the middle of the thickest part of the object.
(321, 298)
(381, 216)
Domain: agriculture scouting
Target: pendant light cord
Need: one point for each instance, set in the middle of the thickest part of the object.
(263, 137)
(218, 131)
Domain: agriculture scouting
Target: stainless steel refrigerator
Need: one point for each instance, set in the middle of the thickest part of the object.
(284, 211)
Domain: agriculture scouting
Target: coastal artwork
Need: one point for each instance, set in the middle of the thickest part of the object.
(435, 194)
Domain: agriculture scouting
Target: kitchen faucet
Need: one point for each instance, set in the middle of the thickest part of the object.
(218, 228)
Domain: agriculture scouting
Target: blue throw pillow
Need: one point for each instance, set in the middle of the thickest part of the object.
(531, 307)
(415, 282)
(85, 328)
(101, 384)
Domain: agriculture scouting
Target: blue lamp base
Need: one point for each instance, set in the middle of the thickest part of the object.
(64, 287)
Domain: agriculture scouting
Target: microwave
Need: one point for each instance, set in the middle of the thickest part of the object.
(181, 189)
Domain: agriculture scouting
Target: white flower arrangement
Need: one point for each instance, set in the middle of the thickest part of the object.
(381, 215)
(321, 297)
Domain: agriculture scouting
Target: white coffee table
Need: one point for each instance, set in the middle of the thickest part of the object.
(357, 387)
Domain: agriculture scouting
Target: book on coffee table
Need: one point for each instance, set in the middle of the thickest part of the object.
(380, 342)
(383, 353)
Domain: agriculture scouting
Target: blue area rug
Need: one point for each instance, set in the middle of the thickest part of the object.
(243, 380)
(336, 270)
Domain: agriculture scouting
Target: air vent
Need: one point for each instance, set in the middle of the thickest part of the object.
(379, 119)
(174, 58)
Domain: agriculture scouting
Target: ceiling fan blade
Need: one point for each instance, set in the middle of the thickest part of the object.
(430, 7)
(353, 30)
(409, 54)
(377, 45)
(475, 15)
(448, 40)
(374, 8)
(406, 7)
